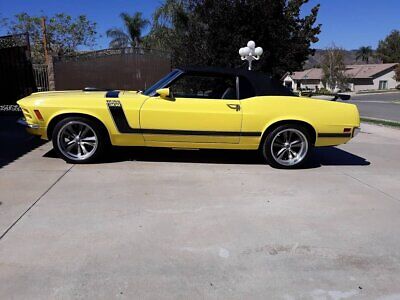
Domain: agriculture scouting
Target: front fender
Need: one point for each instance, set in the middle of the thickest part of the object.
(103, 118)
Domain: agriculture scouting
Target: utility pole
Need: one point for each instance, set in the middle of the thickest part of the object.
(46, 57)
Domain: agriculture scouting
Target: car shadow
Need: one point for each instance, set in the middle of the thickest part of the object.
(333, 156)
(326, 156)
(14, 140)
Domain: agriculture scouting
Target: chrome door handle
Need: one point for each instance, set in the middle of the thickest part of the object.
(234, 106)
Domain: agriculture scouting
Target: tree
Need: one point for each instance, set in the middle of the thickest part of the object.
(364, 53)
(389, 48)
(134, 26)
(333, 68)
(64, 33)
(397, 73)
(166, 24)
(210, 32)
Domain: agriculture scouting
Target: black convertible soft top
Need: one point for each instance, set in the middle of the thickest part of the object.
(263, 84)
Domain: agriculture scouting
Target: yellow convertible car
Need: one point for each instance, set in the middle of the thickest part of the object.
(191, 108)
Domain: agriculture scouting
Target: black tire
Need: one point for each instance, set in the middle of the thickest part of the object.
(277, 135)
(60, 139)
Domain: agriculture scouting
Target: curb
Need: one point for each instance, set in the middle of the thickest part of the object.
(381, 122)
(376, 93)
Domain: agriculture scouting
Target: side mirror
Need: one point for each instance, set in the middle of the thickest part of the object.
(164, 93)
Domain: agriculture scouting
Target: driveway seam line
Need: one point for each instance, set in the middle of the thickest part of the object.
(34, 203)
(372, 187)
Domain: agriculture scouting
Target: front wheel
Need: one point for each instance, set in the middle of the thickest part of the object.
(78, 140)
(287, 147)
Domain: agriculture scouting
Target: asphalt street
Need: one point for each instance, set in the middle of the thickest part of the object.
(167, 224)
(381, 106)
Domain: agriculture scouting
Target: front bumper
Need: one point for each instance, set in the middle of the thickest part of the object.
(24, 123)
(33, 128)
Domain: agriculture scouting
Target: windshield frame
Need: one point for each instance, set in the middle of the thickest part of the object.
(163, 82)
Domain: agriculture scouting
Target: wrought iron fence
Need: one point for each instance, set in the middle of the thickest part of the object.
(40, 73)
(15, 40)
(16, 73)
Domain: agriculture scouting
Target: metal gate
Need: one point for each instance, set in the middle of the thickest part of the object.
(128, 69)
(41, 77)
(16, 72)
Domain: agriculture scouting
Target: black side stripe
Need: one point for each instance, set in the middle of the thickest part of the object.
(333, 135)
(122, 124)
(119, 117)
(194, 132)
(112, 94)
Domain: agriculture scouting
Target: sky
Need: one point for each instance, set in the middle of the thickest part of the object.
(346, 23)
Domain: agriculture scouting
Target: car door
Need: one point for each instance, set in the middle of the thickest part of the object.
(201, 109)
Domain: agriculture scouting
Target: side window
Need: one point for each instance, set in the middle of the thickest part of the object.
(246, 89)
(206, 87)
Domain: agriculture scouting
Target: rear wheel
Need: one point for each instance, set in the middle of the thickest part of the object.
(78, 140)
(287, 147)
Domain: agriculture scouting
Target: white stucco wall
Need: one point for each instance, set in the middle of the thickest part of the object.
(363, 87)
(289, 79)
(293, 84)
(389, 77)
(311, 86)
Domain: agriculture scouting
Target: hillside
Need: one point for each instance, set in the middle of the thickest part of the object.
(349, 59)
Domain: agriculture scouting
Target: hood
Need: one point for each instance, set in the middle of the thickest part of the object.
(76, 93)
(41, 97)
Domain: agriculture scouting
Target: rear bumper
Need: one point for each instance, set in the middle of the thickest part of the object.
(336, 138)
(356, 131)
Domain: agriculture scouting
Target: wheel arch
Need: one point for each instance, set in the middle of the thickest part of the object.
(53, 122)
(310, 128)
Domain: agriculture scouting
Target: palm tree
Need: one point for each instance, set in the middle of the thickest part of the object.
(132, 36)
(364, 53)
(163, 31)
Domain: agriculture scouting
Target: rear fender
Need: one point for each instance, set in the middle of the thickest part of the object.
(272, 124)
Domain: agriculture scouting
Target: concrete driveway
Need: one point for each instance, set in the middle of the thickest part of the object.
(163, 224)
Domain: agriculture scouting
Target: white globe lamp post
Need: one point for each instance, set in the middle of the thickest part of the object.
(250, 53)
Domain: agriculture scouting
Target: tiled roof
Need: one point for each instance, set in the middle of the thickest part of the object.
(353, 71)
(314, 73)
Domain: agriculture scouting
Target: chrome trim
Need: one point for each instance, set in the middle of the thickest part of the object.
(23, 122)
(356, 131)
(237, 88)
(166, 84)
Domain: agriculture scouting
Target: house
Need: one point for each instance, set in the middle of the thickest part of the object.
(361, 78)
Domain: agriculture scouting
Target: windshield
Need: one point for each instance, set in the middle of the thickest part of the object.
(162, 83)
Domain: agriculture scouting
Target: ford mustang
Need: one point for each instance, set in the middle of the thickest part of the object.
(191, 108)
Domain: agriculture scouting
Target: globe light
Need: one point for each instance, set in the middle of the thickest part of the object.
(250, 52)
(251, 44)
(246, 51)
(258, 51)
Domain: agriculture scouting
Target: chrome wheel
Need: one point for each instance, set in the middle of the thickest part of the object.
(77, 140)
(289, 147)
